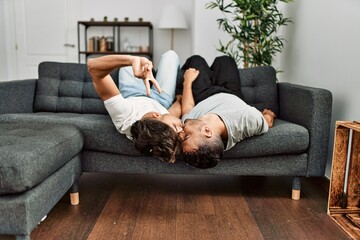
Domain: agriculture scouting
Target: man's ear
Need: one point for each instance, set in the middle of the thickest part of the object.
(155, 115)
(207, 132)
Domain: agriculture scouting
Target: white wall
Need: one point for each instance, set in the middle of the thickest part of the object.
(3, 65)
(206, 34)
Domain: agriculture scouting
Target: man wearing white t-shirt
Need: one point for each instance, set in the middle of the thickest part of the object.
(135, 100)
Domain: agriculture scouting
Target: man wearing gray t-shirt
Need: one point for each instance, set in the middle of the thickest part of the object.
(219, 118)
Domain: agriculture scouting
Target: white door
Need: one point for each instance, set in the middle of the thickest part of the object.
(45, 30)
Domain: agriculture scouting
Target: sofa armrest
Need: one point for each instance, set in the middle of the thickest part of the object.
(311, 108)
(17, 96)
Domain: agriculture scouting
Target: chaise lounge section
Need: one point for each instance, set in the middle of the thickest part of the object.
(38, 164)
(63, 94)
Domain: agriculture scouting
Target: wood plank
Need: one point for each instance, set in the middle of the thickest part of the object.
(232, 211)
(198, 226)
(341, 142)
(355, 219)
(157, 218)
(225, 215)
(355, 125)
(118, 219)
(353, 189)
(344, 210)
(194, 196)
(352, 230)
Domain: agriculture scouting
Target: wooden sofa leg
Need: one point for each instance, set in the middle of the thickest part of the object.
(74, 194)
(296, 187)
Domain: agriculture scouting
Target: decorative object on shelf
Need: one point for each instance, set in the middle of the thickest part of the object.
(126, 19)
(116, 19)
(90, 46)
(92, 19)
(105, 18)
(252, 26)
(110, 44)
(140, 19)
(172, 18)
(102, 44)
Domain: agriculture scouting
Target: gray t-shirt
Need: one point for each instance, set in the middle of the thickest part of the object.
(241, 120)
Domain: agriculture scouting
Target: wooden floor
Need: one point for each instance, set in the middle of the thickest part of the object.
(124, 206)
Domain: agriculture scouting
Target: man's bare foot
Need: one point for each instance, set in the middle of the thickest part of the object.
(269, 117)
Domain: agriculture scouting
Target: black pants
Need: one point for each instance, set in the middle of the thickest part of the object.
(221, 77)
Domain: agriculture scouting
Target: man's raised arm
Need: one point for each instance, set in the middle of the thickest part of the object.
(100, 68)
(187, 102)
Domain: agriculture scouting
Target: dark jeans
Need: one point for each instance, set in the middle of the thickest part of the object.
(221, 77)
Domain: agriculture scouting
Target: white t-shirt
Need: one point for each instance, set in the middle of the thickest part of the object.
(125, 111)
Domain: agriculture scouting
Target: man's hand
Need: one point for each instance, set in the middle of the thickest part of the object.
(190, 75)
(142, 68)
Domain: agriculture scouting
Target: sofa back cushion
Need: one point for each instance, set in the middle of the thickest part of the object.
(259, 88)
(67, 87)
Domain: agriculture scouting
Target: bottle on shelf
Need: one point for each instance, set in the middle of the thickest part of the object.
(125, 45)
(96, 44)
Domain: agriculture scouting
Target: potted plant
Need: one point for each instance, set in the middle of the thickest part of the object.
(252, 25)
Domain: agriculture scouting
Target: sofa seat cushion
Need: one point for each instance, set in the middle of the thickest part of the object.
(29, 153)
(101, 135)
(283, 138)
(98, 130)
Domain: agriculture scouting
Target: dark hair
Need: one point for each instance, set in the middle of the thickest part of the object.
(155, 138)
(208, 154)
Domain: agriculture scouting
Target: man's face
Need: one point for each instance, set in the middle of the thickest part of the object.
(191, 135)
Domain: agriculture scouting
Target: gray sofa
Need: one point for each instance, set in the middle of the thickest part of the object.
(296, 146)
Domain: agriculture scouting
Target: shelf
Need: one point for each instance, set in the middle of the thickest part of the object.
(115, 24)
(112, 52)
(117, 31)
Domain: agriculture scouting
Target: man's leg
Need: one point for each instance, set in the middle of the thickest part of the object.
(226, 75)
(204, 86)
